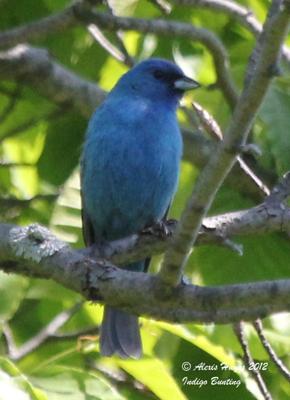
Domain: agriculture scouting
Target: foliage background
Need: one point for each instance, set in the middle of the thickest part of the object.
(40, 147)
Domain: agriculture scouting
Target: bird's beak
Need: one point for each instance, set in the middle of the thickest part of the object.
(185, 83)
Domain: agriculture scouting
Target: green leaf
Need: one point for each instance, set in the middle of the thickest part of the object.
(61, 383)
(62, 148)
(155, 375)
(66, 216)
(12, 291)
(198, 337)
(275, 113)
(14, 385)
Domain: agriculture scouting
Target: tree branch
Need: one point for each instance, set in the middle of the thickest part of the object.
(43, 335)
(213, 129)
(219, 166)
(242, 14)
(35, 67)
(258, 325)
(39, 29)
(176, 29)
(114, 51)
(81, 11)
(248, 359)
(69, 17)
(128, 60)
(270, 216)
(33, 251)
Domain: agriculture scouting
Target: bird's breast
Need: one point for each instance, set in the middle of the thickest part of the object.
(130, 172)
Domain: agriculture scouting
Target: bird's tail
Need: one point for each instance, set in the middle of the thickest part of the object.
(120, 332)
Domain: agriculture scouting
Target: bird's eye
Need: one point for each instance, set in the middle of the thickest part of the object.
(158, 74)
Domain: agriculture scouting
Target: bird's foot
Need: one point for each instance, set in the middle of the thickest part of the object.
(161, 229)
(185, 280)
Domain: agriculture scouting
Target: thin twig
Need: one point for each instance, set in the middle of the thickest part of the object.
(269, 349)
(240, 333)
(249, 172)
(176, 29)
(213, 129)
(230, 7)
(105, 43)
(8, 164)
(91, 331)
(280, 192)
(162, 6)
(128, 59)
(237, 11)
(42, 336)
(10, 343)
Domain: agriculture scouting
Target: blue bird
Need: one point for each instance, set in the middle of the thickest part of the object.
(129, 173)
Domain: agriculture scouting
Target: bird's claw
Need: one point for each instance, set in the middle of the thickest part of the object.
(160, 229)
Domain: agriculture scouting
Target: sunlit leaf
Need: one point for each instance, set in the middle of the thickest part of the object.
(155, 375)
(12, 292)
(60, 383)
(14, 385)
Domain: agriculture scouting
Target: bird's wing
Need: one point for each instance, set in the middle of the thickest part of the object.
(167, 210)
(87, 226)
(148, 259)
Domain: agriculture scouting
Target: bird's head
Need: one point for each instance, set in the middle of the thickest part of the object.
(157, 80)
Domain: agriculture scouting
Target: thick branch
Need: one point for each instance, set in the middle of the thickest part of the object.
(37, 253)
(35, 67)
(270, 216)
(224, 158)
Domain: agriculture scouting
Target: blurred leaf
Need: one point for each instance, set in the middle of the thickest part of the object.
(197, 336)
(66, 217)
(17, 13)
(155, 375)
(60, 383)
(12, 292)
(14, 385)
(265, 257)
(275, 113)
(62, 148)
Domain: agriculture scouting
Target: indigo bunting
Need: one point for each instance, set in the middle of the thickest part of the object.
(129, 173)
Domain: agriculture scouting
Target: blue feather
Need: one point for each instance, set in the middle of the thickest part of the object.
(130, 167)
